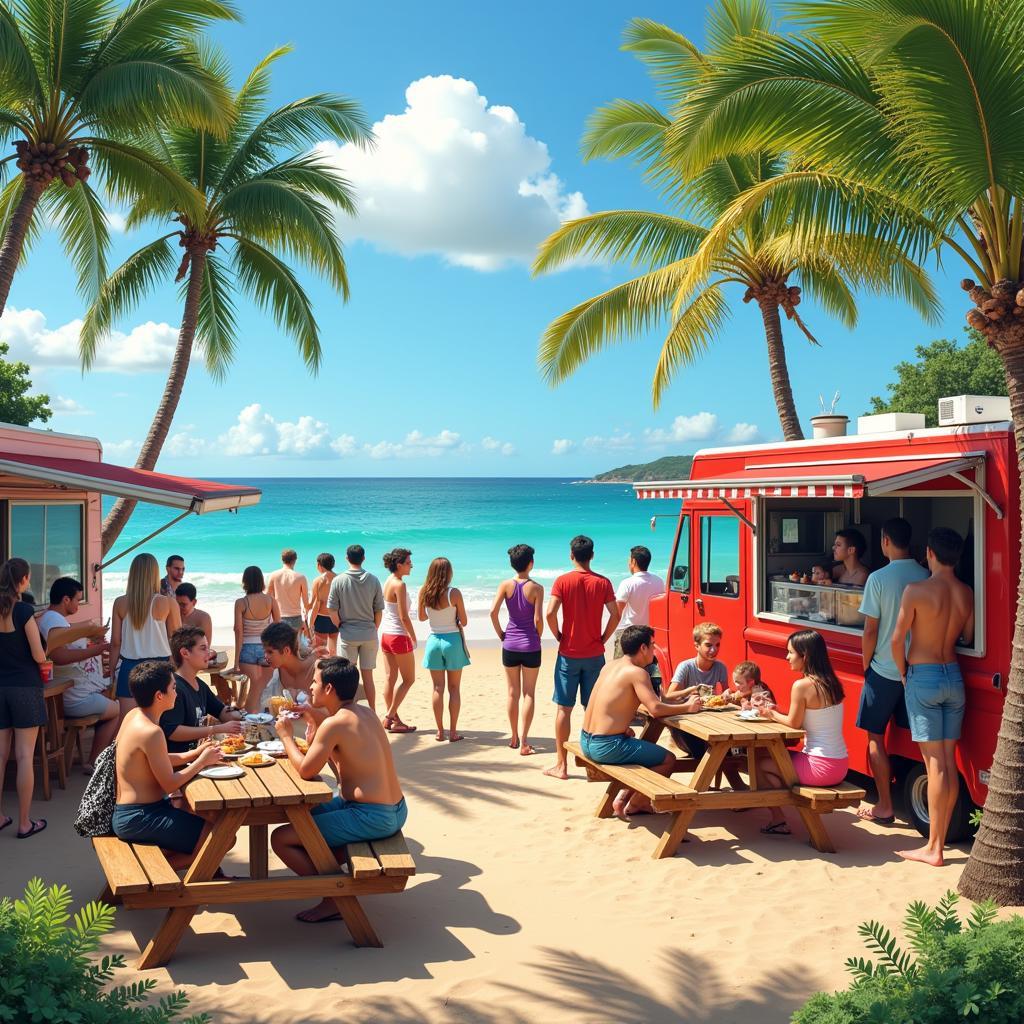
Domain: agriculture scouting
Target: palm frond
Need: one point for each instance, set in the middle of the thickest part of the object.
(692, 333)
(728, 20)
(624, 128)
(827, 285)
(217, 327)
(122, 291)
(61, 38)
(18, 74)
(273, 286)
(82, 221)
(674, 62)
(642, 238)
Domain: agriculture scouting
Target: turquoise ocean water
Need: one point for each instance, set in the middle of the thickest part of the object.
(471, 521)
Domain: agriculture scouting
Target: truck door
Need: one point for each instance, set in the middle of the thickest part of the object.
(679, 600)
(718, 581)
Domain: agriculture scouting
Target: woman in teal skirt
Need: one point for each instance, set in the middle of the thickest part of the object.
(445, 655)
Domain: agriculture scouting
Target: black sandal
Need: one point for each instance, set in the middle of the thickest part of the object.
(37, 826)
(777, 828)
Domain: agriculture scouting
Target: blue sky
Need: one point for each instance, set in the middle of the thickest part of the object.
(430, 369)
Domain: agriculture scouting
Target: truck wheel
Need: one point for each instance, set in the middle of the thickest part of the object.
(915, 803)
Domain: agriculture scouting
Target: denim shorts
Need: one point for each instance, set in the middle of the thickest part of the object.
(935, 702)
(252, 654)
(622, 749)
(125, 666)
(350, 821)
(575, 675)
(158, 824)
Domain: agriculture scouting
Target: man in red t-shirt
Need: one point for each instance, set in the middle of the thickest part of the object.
(583, 596)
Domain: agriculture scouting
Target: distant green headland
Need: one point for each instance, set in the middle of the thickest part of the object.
(670, 467)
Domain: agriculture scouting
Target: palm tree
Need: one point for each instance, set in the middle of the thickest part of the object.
(902, 116)
(75, 77)
(261, 201)
(767, 258)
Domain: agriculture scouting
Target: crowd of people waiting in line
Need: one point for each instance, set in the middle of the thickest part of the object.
(160, 641)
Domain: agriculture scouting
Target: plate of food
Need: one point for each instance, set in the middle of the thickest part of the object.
(222, 771)
(234, 746)
(717, 702)
(257, 759)
(275, 748)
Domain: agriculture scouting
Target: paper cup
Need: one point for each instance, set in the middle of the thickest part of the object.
(46, 671)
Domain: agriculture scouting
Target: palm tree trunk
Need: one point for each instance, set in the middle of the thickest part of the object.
(993, 870)
(14, 240)
(117, 517)
(781, 388)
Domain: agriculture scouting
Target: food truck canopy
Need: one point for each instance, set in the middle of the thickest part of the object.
(830, 478)
(179, 492)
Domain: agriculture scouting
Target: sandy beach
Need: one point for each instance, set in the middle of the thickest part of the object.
(525, 906)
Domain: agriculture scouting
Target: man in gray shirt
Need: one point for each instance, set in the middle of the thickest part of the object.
(355, 604)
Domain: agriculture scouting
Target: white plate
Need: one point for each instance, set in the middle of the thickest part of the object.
(260, 718)
(271, 747)
(222, 771)
(263, 764)
(751, 716)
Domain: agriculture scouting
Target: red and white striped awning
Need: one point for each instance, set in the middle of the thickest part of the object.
(850, 478)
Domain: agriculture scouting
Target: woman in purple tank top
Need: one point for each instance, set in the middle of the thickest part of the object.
(523, 599)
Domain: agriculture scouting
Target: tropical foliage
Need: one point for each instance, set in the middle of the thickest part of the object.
(943, 368)
(76, 76)
(900, 117)
(16, 404)
(692, 254)
(958, 973)
(266, 202)
(48, 972)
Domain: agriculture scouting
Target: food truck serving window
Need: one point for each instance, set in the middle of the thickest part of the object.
(50, 537)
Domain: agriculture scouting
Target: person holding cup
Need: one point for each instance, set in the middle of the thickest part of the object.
(22, 707)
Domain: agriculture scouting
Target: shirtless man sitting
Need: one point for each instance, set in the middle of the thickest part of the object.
(281, 650)
(936, 613)
(621, 688)
(848, 550)
(350, 736)
(147, 773)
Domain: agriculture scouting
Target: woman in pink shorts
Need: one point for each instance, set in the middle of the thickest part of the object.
(398, 639)
(816, 706)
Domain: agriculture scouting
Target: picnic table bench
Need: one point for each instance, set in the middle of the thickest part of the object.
(139, 876)
(723, 732)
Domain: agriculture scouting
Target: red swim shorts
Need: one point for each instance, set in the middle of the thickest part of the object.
(396, 643)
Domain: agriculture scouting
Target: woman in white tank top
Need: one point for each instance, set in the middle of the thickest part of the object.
(816, 706)
(398, 638)
(445, 655)
(142, 622)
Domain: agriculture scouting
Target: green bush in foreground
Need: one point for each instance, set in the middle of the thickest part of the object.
(973, 974)
(46, 973)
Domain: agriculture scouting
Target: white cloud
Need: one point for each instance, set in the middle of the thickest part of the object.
(616, 442)
(258, 433)
(562, 446)
(185, 444)
(122, 452)
(418, 445)
(148, 346)
(491, 444)
(453, 176)
(69, 407)
(698, 427)
(345, 444)
(116, 221)
(744, 433)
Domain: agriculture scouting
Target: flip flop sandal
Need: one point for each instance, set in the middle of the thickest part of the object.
(37, 826)
(9, 821)
(320, 920)
(397, 726)
(778, 828)
(889, 819)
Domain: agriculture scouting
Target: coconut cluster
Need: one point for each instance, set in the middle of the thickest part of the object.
(995, 307)
(44, 161)
(774, 291)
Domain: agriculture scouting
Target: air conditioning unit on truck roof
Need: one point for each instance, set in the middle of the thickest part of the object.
(961, 410)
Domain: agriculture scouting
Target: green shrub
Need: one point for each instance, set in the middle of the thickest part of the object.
(46, 973)
(973, 974)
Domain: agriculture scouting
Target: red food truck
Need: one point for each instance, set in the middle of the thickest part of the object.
(753, 521)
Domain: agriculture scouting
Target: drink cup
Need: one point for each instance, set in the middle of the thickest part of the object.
(46, 672)
(276, 704)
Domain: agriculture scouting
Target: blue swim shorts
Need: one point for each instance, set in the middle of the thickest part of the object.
(575, 675)
(124, 670)
(158, 824)
(621, 749)
(445, 652)
(348, 821)
(935, 702)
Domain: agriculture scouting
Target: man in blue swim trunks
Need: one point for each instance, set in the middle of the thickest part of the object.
(621, 688)
(351, 737)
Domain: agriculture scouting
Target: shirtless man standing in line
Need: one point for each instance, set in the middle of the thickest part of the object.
(147, 773)
(351, 737)
(289, 588)
(325, 632)
(621, 688)
(936, 613)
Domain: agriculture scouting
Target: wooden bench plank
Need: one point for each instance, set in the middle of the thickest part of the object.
(362, 861)
(162, 876)
(828, 798)
(394, 855)
(661, 789)
(120, 865)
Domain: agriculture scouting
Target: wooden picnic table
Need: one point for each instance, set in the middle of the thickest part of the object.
(262, 797)
(723, 731)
